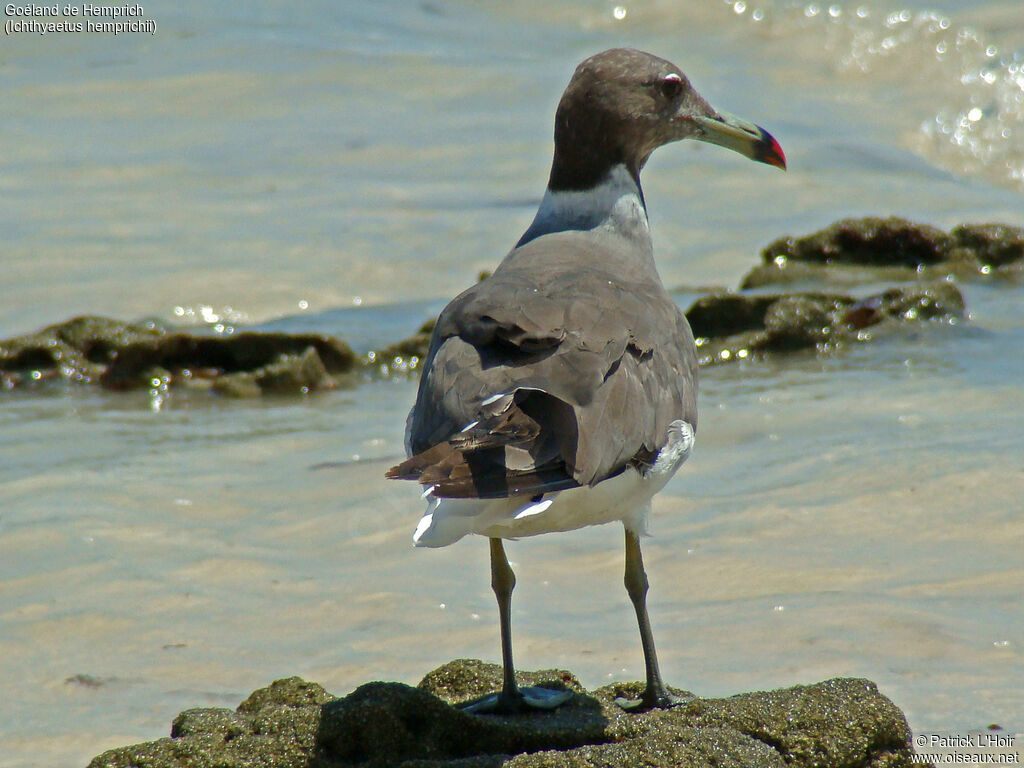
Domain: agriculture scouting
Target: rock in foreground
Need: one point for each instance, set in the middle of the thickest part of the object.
(294, 723)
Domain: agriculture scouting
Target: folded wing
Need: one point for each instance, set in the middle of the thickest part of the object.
(531, 386)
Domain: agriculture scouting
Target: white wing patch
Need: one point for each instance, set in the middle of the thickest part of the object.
(533, 509)
(423, 526)
(676, 450)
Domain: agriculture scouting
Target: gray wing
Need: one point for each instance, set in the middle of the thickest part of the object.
(549, 378)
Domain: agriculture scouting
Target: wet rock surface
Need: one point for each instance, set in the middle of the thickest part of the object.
(404, 356)
(842, 722)
(123, 356)
(872, 249)
(78, 350)
(242, 364)
(730, 326)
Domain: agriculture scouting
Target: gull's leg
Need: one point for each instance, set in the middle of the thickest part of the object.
(655, 694)
(503, 581)
(512, 698)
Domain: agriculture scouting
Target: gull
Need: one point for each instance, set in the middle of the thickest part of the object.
(561, 391)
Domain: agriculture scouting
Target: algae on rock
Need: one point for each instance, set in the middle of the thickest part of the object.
(78, 350)
(730, 326)
(872, 249)
(295, 723)
(124, 356)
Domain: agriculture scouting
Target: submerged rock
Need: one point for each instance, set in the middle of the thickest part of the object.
(731, 326)
(296, 723)
(126, 356)
(872, 249)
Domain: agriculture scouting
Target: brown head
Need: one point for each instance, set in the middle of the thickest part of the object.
(622, 104)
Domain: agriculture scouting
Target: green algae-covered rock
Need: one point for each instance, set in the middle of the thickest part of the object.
(124, 356)
(402, 357)
(888, 242)
(295, 723)
(997, 246)
(78, 350)
(821, 725)
(873, 249)
(731, 326)
(267, 362)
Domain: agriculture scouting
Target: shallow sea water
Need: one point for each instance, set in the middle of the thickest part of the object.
(348, 168)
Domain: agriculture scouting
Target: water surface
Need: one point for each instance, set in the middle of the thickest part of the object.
(346, 168)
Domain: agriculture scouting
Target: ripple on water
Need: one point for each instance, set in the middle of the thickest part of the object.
(958, 79)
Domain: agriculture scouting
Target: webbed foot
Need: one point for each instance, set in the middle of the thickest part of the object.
(522, 700)
(652, 700)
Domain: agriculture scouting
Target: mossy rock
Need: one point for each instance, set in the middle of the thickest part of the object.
(275, 362)
(876, 249)
(403, 357)
(293, 723)
(77, 350)
(124, 356)
(730, 326)
(999, 246)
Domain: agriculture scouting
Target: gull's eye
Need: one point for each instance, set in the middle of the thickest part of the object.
(671, 86)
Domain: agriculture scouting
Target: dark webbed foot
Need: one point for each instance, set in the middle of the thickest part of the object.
(652, 700)
(523, 700)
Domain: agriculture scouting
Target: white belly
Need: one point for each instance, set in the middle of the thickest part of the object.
(625, 497)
